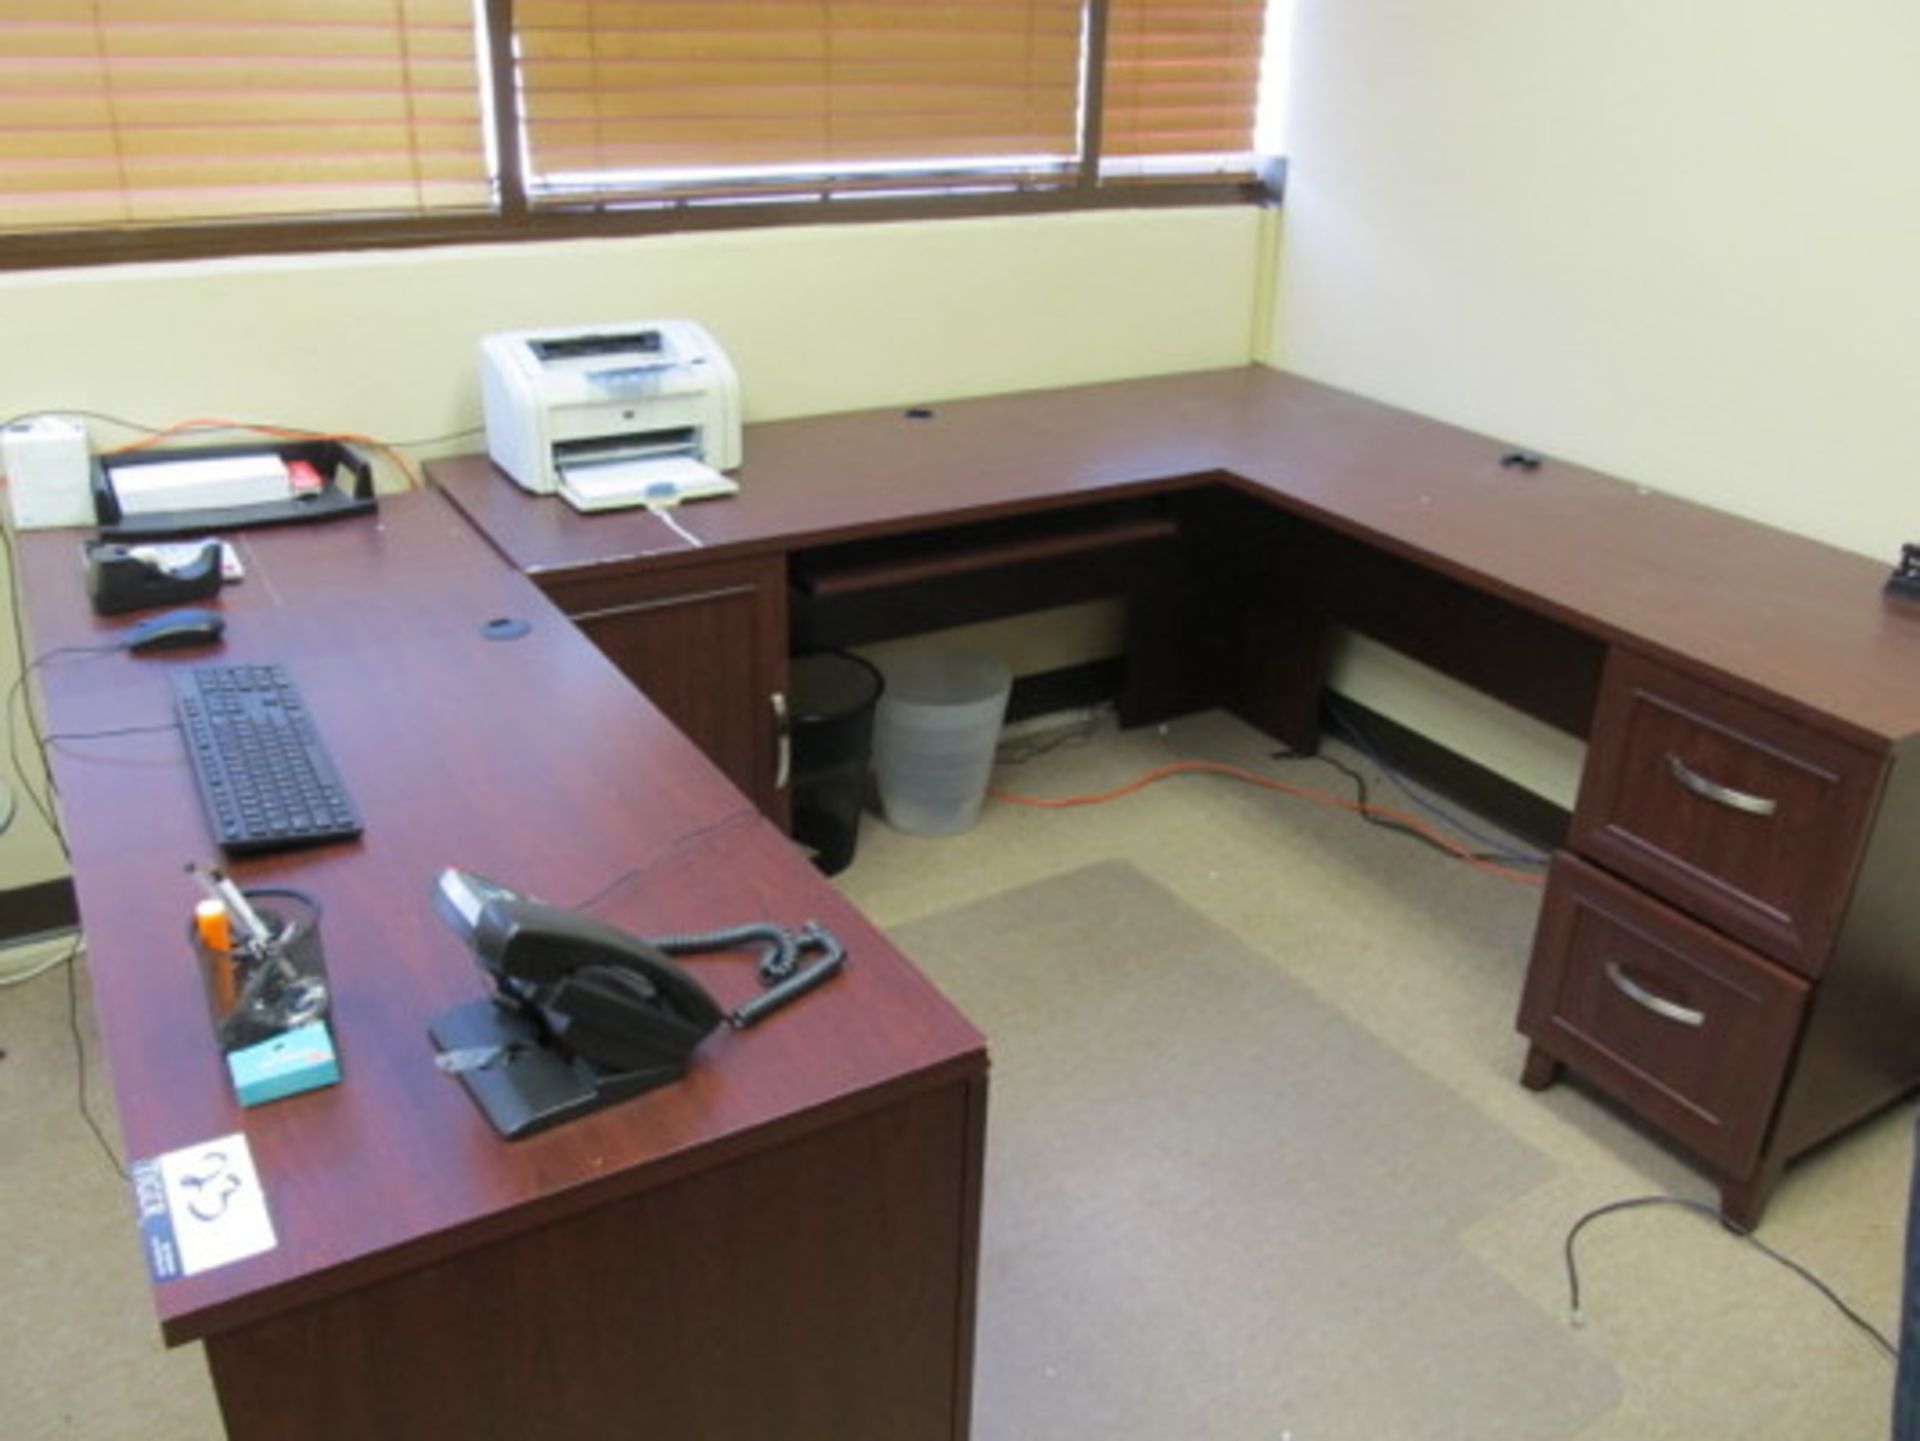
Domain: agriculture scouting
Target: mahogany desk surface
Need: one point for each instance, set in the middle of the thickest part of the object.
(1802, 623)
(458, 753)
(530, 761)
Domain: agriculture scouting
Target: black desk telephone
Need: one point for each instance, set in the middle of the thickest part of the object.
(584, 1014)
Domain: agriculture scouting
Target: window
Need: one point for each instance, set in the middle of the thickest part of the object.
(132, 127)
(146, 112)
(1182, 85)
(629, 95)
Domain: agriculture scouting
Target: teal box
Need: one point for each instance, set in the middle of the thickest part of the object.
(298, 1060)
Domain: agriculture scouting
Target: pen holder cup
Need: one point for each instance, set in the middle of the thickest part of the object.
(258, 992)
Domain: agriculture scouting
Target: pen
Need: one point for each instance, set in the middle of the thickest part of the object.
(220, 887)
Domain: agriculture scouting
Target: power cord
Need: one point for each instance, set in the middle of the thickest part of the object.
(80, 1057)
(1353, 732)
(204, 426)
(1363, 796)
(20, 784)
(1398, 822)
(1076, 733)
(70, 958)
(44, 806)
(1576, 1318)
(664, 514)
(597, 898)
(15, 693)
(216, 426)
(1254, 778)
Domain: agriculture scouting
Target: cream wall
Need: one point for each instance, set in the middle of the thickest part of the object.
(815, 318)
(1674, 242)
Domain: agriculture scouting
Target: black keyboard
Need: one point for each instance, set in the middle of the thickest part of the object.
(265, 776)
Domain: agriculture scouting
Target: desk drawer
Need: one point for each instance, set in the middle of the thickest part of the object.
(1692, 1031)
(1742, 816)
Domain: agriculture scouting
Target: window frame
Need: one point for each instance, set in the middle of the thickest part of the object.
(514, 218)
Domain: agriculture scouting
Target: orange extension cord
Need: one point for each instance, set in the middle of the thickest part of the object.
(279, 432)
(1232, 772)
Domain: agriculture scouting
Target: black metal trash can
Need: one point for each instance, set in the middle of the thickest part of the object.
(833, 699)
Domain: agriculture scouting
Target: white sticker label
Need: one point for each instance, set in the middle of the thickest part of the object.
(201, 1207)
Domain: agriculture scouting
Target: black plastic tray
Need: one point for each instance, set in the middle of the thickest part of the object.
(332, 501)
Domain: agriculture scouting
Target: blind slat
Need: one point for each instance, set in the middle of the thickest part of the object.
(129, 112)
(1167, 60)
(620, 87)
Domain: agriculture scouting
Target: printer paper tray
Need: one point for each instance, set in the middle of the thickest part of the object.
(660, 480)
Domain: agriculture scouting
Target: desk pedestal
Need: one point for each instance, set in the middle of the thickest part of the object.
(819, 1289)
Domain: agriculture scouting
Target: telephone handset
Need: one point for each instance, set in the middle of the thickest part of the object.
(583, 1013)
(612, 998)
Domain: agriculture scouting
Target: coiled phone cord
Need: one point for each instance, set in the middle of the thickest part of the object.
(779, 964)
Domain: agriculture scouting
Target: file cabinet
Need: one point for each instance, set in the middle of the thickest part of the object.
(1732, 912)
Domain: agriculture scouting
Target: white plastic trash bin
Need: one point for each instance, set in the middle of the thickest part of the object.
(934, 735)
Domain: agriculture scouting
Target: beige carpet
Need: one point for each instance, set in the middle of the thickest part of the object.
(1424, 958)
(80, 1351)
(1216, 1208)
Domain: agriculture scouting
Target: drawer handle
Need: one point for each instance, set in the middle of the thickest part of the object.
(1659, 1005)
(783, 766)
(1722, 795)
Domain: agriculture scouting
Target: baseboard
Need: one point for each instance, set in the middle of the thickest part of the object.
(45, 908)
(1452, 776)
(1068, 688)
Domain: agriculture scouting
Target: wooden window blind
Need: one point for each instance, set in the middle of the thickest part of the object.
(1182, 77)
(630, 87)
(139, 112)
(155, 128)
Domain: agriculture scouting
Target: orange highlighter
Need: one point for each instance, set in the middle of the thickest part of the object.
(211, 924)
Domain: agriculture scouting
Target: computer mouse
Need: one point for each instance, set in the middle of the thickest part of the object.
(175, 628)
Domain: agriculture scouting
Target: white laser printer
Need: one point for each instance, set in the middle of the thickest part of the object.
(613, 415)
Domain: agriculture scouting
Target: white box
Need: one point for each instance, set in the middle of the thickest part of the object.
(49, 475)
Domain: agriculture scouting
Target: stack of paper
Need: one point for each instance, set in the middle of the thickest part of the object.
(656, 481)
(201, 484)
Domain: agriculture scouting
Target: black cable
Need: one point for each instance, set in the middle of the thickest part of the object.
(19, 646)
(1363, 799)
(99, 415)
(42, 804)
(1352, 731)
(1364, 807)
(685, 842)
(80, 1058)
(1701, 1208)
(450, 436)
(146, 429)
(54, 738)
(1018, 753)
